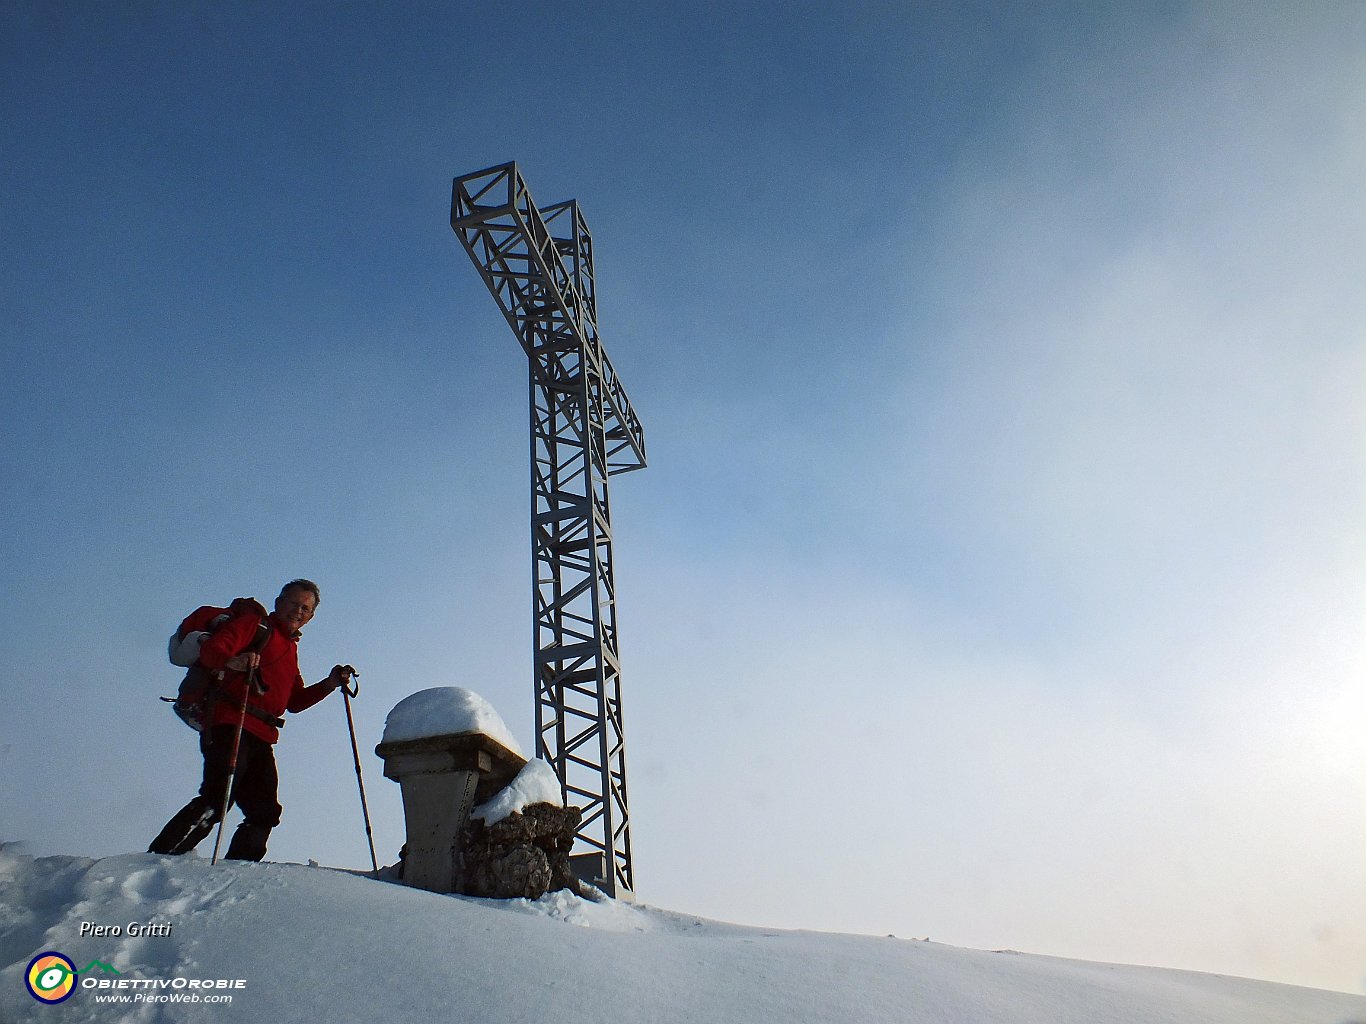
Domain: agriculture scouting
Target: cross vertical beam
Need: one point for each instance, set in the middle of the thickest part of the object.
(538, 265)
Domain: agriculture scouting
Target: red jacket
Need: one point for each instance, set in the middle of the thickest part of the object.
(279, 671)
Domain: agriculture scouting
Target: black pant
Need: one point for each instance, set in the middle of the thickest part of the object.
(254, 792)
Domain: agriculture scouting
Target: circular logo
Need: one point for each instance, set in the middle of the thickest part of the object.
(51, 977)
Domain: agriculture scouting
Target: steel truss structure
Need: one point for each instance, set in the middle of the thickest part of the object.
(538, 265)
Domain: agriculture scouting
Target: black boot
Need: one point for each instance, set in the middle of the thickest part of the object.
(248, 842)
(183, 832)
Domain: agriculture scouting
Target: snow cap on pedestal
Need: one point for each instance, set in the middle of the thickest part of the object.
(446, 711)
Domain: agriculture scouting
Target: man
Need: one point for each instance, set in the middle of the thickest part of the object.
(259, 660)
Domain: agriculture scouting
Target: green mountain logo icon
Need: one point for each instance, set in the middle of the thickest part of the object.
(107, 968)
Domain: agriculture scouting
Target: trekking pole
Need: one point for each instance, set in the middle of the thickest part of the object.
(232, 765)
(347, 693)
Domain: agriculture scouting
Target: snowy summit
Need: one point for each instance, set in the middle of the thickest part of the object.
(286, 943)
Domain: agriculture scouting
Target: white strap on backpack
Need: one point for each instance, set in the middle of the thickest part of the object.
(184, 650)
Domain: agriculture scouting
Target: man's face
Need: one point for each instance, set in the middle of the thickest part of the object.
(294, 608)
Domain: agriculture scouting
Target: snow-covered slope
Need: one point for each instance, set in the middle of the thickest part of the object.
(310, 944)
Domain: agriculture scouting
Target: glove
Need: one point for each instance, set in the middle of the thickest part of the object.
(341, 675)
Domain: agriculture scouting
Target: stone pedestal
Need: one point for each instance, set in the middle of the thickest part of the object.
(443, 778)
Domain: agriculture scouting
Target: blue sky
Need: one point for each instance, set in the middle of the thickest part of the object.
(997, 573)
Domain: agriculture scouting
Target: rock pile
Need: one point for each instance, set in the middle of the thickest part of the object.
(525, 855)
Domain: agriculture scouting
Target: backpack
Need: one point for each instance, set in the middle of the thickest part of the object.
(199, 688)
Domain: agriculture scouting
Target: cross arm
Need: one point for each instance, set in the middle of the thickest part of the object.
(524, 267)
